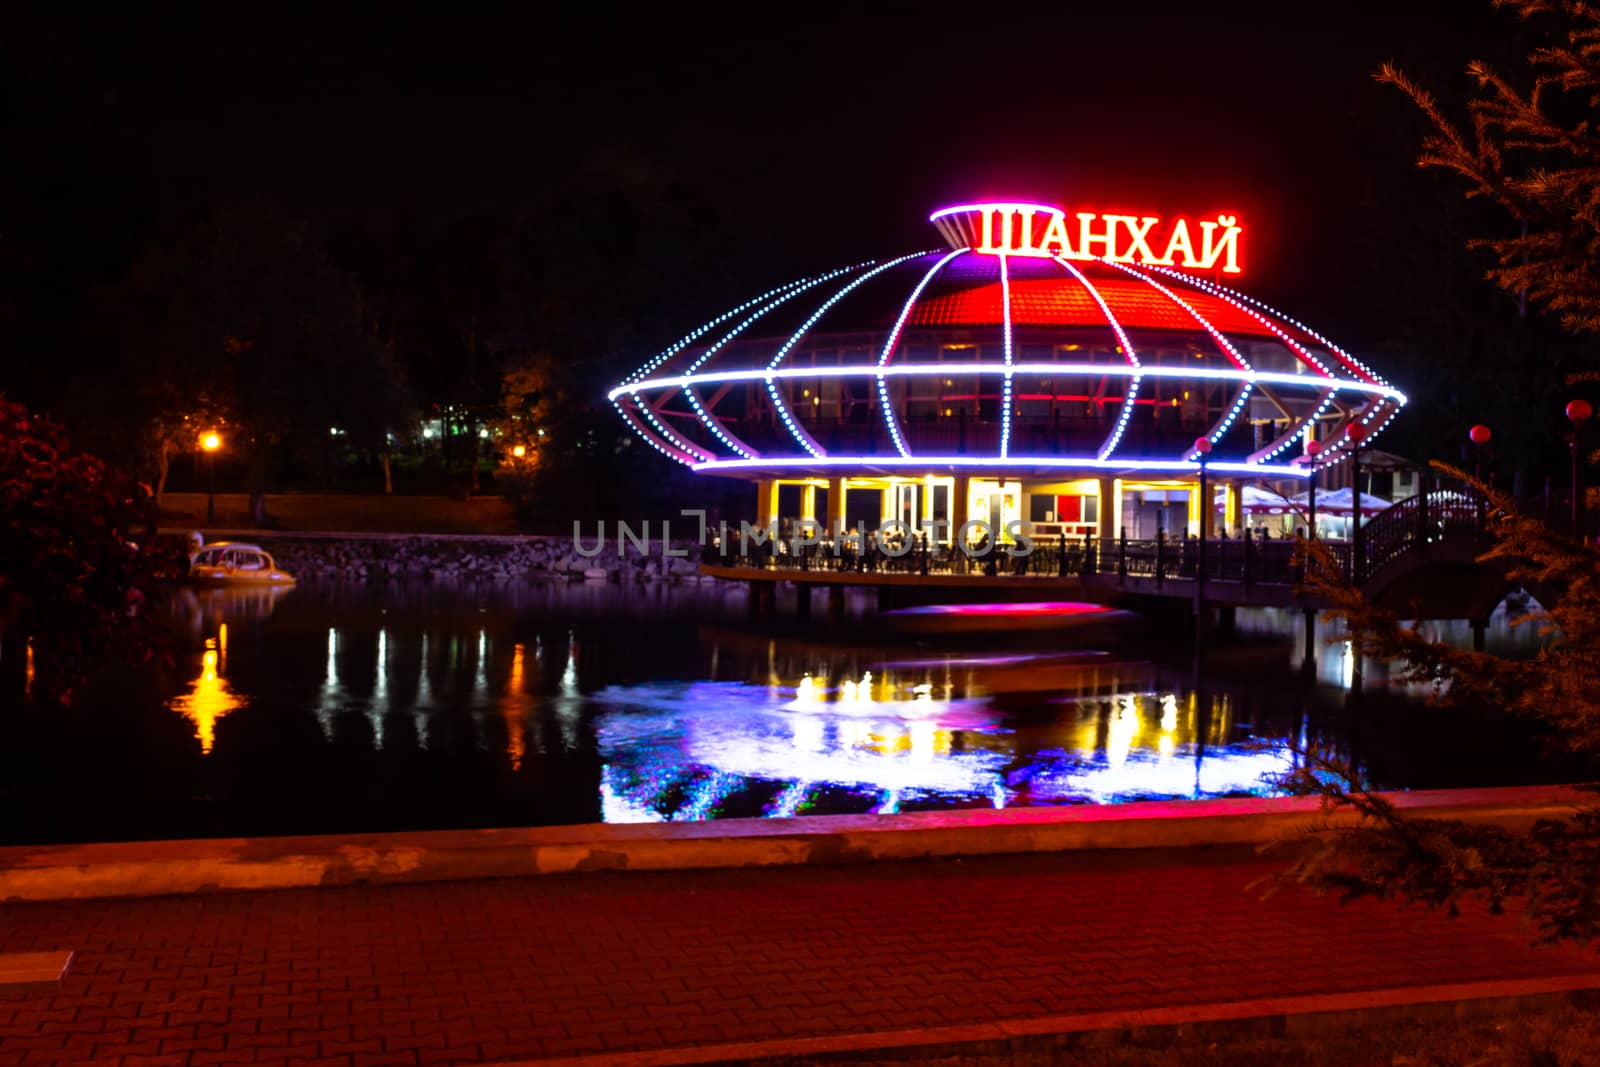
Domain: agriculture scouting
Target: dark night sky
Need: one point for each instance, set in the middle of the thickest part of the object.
(824, 137)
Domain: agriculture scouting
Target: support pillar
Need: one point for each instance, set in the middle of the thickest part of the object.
(836, 491)
(835, 603)
(1233, 505)
(766, 502)
(808, 502)
(802, 600)
(1202, 513)
(1110, 514)
(959, 493)
(885, 597)
(1480, 634)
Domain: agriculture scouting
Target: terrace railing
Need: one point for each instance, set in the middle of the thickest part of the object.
(1410, 527)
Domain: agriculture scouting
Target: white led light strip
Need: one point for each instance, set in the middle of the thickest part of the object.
(1234, 296)
(1115, 437)
(888, 351)
(679, 381)
(1216, 335)
(982, 462)
(688, 340)
(706, 419)
(1293, 433)
(1005, 382)
(688, 459)
(681, 443)
(795, 429)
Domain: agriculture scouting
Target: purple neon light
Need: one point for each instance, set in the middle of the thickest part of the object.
(1011, 462)
(1018, 610)
(962, 369)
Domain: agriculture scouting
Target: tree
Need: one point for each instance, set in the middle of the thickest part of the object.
(1438, 861)
(242, 317)
(74, 588)
(1535, 153)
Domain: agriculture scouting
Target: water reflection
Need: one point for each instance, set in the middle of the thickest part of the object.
(524, 713)
(209, 697)
(689, 751)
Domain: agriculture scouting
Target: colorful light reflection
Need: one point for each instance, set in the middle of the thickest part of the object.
(1028, 609)
(699, 750)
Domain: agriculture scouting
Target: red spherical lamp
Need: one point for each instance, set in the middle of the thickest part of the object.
(1479, 434)
(1579, 411)
(1357, 432)
(1202, 445)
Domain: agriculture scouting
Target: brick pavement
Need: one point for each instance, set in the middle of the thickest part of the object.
(496, 970)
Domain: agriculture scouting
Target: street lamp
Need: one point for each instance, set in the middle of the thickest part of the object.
(1313, 449)
(1358, 433)
(1578, 412)
(1202, 448)
(210, 441)
(1479, 435)
(519, 451)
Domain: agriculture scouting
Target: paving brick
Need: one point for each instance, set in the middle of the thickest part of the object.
(559, 966)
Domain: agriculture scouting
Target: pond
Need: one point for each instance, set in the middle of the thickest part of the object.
(340, 708)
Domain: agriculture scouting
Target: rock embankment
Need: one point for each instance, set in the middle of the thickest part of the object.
(483, 558)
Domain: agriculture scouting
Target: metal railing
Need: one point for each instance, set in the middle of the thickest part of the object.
(1409, 526)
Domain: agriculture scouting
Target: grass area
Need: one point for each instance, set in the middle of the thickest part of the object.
(1558, 1036)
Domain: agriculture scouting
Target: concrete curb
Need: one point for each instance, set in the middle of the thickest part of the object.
(1283, 1016)
(154, 868)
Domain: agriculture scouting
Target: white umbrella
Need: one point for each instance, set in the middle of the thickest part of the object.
(1342, 502)
(1258, 501)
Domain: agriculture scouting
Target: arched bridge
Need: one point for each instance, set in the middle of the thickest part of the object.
(1418, 557)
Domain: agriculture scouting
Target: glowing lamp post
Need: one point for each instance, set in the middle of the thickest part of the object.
(1202, 449)
(1358, 433)
(210, 442)
(1313, 449)
(1578, 413)
(1479, 435)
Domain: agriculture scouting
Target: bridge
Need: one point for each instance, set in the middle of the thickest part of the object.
(1418, 557)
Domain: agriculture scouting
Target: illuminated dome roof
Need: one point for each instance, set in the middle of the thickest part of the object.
(1002, 361)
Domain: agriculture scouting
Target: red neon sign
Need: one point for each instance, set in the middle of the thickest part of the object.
(1014, 229)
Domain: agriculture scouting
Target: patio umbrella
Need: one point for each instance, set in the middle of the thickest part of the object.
(1342, 502)
(1258, 501)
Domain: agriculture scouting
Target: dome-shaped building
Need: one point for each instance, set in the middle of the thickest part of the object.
(1056, 372)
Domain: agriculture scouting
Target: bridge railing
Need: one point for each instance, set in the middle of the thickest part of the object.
(1439, 515)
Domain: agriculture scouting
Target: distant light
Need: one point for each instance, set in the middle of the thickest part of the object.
(428, 431)
(541, 433)
(483, 433)
(519, 451)
(211, 441)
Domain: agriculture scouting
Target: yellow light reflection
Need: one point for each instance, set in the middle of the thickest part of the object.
(514, 707)
(207, 700)
(1124, 730)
